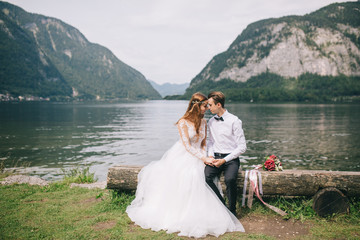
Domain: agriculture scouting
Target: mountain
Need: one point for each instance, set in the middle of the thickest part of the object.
(46, 57)
(19, 56)
(168, 89)
(298, 58)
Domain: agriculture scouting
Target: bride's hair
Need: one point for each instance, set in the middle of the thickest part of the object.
(193, 112)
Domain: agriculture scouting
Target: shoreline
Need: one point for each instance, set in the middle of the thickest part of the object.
(33, 180)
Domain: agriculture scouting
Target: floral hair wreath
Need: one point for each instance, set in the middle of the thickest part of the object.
(197, 101)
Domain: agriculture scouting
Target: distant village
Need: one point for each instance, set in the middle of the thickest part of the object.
(10, 98)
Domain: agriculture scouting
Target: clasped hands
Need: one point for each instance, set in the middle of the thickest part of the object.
(211, 161)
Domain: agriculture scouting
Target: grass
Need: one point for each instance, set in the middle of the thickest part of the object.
(78, 175)
(337, 226)
(31, 212)
(5, 172)
(60, 212)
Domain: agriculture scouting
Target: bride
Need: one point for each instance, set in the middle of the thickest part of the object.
(172, 194)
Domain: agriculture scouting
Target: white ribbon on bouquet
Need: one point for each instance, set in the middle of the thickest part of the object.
(254, 187)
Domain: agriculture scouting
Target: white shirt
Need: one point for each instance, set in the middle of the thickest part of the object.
(226, 136)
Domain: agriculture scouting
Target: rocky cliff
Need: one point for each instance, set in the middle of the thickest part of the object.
(323, 43)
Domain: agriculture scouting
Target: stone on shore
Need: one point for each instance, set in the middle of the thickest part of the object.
(32, 180)
(21, 179)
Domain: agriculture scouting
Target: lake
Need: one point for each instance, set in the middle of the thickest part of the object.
(42, 138)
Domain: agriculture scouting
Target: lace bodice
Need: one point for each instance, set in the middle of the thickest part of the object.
(191, 140)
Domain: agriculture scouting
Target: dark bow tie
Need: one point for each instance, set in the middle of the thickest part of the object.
(219, 118)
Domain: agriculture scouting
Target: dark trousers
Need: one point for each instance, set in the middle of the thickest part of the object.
(231, 170)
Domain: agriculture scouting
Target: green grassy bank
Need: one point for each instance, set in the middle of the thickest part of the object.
(60, 212)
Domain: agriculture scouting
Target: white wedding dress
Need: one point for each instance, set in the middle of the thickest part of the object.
(172, 194)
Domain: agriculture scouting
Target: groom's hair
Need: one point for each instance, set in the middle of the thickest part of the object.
(218, 97)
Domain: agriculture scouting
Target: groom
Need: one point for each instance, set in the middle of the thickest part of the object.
(226, 143)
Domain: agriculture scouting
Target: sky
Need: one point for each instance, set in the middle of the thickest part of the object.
(168, 41)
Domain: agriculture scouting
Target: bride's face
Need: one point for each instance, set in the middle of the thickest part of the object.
(203, 108)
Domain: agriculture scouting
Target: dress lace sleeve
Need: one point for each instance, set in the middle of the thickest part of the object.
(184, 136)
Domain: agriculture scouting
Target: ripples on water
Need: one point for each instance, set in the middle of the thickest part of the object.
(51, 136)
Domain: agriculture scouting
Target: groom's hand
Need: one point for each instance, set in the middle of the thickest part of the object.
(218, 162)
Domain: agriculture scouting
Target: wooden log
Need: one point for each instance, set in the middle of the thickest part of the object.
(330, 200)
(123, 177)
(284, 183)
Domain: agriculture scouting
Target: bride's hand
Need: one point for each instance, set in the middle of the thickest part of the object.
(209, 161)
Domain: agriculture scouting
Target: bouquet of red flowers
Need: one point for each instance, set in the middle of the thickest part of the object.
(272, 163)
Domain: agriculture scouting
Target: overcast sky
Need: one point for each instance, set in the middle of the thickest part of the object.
(166, 40)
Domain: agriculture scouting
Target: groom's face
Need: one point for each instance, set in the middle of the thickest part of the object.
(214, 108)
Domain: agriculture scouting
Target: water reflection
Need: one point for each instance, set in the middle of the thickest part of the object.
(52, 136)
(304, 136)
